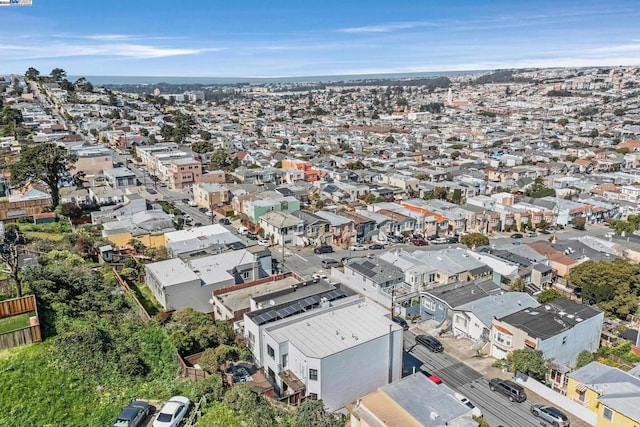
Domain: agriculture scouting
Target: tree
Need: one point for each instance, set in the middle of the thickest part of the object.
(312, 413)
(138, 246)
(538, 189)
(613, 285)
(584, 358)
(10, 251)
(549, 295)
(579, 222)
(44, 162)
(528, 361)
(201, 147)
(71, 210)
(58, 74)
(219, 415)
(32, 74)
(251, 406)
(474, 240)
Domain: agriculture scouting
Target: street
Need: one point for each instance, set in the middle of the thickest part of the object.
(496, 408)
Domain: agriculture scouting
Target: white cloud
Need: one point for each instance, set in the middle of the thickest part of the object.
(128, 50)
(387, 27)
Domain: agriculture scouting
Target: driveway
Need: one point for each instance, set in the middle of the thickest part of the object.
(462, 370)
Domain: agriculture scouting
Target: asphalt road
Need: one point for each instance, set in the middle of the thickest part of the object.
(496, 409)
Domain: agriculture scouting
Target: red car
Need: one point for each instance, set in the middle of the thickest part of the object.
(419, 242)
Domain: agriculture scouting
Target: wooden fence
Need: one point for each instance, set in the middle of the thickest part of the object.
(15, 306)
(26, 335)
(141, 310)
(191, 372)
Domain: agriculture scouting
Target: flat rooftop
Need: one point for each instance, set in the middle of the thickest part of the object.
(334, 329)
(241, 299)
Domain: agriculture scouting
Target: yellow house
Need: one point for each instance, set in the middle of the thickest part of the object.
(147, 227)
(612, 394)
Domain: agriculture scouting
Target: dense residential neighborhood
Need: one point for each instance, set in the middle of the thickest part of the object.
(368, 253)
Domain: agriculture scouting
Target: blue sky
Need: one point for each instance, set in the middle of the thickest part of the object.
(311, 38)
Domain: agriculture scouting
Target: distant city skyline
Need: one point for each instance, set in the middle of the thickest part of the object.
(293, 38)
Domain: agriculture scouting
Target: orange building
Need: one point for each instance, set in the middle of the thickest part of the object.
(310, 174)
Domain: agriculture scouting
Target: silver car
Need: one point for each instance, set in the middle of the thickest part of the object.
(552, 415)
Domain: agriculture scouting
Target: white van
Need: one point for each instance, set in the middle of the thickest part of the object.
(243, 230)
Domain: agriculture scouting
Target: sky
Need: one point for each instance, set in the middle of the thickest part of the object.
(282, 38)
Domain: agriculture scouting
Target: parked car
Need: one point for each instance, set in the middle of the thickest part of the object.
(513, 391)
(243, 230)
(203, 210)
(531, 234)
(133, 415)
(552, 415)
(173, 412)
(453, 239)
(376, 246)
(192, 203)
(475, 411)
(358, 248)
(323, 249)
(264, 243)
(400, 321)
(516, 236)
(396, 239)
(432, 343)
(436, 379)
(224, 221)
(318, 276)
(440, 240)
(418, 242)
(252, 236)
(330, 262)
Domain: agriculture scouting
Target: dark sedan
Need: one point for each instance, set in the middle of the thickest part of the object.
(376, 246)
(133, 415)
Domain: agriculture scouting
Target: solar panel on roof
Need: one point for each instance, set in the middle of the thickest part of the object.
(363, 270)
(369, 265)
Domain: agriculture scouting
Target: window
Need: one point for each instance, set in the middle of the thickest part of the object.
(271, 352)
(503, 339)
(245, 274)
(607, 414)
(581, 395)
(429, 304)
(313, 396)
(252, 338)
(285, 360)
(313, 374)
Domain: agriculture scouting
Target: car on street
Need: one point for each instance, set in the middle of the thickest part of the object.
(475, 411)
(252, 236)
(396, 239)
(330, 262)
(133, 415)
(376, 246)
(317, 276)
(173, 412)
(323, 249)
(431, 343)
(531, 234)
(436, 379)
(552, 415)
(224, 221)
(358, 248)
(513, 391)
(516, 236)
(264, 243)
(440, 240)
(400, 321)
(203, 210)
(418, 242)
(192, 203)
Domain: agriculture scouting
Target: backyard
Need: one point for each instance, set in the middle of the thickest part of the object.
(12, 323)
